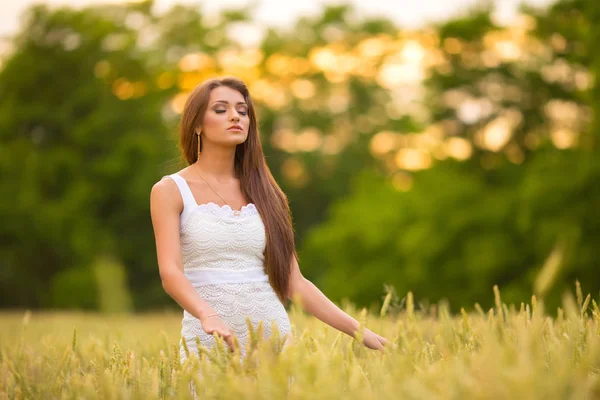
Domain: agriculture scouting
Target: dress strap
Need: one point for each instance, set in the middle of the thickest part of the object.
(184, 189)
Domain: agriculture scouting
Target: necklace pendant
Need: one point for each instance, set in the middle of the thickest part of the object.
(236, 212)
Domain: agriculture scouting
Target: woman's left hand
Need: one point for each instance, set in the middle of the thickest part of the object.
(374, 341)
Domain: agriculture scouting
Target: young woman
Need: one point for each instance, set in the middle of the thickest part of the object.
(223, 229)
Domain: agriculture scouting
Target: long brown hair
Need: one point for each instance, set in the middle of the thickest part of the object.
(257, 182)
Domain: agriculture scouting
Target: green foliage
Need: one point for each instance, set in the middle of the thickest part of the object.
(472, 26)
(74, 288)
(497, 217)
(111, 281)
(460, 231)
(80, 161)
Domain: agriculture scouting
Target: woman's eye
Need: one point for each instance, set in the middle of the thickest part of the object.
(242, 112)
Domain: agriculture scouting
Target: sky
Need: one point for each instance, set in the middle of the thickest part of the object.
(407, 13)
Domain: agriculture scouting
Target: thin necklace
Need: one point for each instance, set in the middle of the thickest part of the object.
(235, 212)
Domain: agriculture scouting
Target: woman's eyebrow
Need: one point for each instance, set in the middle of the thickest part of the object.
(226, 102)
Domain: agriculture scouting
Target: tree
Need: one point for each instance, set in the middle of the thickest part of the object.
(82, 141)
(526, 189)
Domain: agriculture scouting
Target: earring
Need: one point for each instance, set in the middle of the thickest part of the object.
(198, 134)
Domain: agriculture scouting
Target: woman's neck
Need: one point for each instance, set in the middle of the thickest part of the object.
(217, 163)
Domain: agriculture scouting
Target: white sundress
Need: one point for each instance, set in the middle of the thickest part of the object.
(223, 257)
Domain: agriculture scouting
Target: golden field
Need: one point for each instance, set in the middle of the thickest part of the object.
(507, 352)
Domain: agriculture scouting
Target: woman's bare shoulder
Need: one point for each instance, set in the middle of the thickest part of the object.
(165, 194)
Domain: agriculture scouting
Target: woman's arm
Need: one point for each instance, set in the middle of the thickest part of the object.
(165, 206)
(313, 301)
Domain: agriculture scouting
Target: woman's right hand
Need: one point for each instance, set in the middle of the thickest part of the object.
(215, 324)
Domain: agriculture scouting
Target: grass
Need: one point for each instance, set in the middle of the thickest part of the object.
(507, 352)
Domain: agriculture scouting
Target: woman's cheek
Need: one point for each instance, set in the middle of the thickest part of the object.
(210, 120)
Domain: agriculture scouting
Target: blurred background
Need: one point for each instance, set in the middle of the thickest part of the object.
(439, 147)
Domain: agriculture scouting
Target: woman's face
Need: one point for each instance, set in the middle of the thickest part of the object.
(226, 119)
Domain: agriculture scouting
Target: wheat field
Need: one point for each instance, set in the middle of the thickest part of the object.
(507, 352)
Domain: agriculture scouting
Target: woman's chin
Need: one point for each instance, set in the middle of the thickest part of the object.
(231, 140)
(235, 141)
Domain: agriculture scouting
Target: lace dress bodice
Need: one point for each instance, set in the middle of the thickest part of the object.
(223, 257)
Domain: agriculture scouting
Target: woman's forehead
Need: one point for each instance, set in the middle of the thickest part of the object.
(226, 94)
